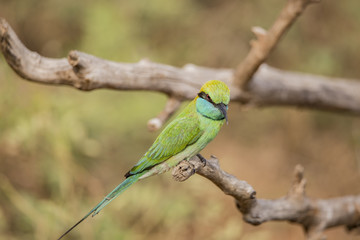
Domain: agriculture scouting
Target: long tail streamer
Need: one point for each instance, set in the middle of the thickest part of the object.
(111, 196)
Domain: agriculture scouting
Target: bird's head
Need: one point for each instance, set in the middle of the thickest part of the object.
(213, 100)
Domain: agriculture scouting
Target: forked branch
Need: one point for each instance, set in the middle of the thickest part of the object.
(268, 87)
(263, 85)
(314, 215)
(266, 41)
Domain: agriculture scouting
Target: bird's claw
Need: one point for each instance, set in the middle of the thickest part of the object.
(202, 159)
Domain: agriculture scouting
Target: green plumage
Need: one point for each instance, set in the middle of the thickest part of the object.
(183, 138)
(180, 133)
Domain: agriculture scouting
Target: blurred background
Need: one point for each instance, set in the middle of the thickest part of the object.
(62, 150)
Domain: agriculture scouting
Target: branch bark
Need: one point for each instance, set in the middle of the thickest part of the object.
(268, 87)
(314, 215)
(267, 40)
(263, 85)
(170, 108)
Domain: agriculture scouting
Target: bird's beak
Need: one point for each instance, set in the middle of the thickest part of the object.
(223, 108)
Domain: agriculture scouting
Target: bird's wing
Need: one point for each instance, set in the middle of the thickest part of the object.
(179, 134)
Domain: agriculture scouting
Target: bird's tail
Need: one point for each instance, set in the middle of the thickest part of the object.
(111, 196)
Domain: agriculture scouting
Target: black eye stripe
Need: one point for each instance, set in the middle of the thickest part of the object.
(205, 96)
(202, 95)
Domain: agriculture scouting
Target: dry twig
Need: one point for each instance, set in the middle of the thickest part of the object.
(266, 41)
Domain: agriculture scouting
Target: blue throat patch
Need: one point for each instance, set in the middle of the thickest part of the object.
(208, 110)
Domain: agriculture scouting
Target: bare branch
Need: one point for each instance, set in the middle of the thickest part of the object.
(268, 87)
(266, 41)
(315, 215)
(304, 90)
(264, 85)
(31, 65)
(171, 106)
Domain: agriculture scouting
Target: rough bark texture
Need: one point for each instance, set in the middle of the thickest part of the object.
(268, 87)
(315, 215)
(267, 40)
(252, 83)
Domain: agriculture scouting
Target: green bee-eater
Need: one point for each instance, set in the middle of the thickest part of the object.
(182, 139)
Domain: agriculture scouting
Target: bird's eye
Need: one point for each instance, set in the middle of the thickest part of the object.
(208, 98)
(205, 96)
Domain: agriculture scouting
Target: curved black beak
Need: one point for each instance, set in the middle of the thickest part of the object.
(223, 108)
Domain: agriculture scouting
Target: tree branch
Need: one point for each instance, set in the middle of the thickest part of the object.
(267, 40)
(314, 215)
(268, 87)
(264, 85)
(170, 108)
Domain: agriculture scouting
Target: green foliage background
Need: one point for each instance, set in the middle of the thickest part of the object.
(62, 150)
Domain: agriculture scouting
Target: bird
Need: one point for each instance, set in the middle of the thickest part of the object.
(183, 138)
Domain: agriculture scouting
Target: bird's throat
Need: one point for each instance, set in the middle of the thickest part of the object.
(208, 110)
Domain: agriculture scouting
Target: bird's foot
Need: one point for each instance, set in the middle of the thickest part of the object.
(202, 159)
